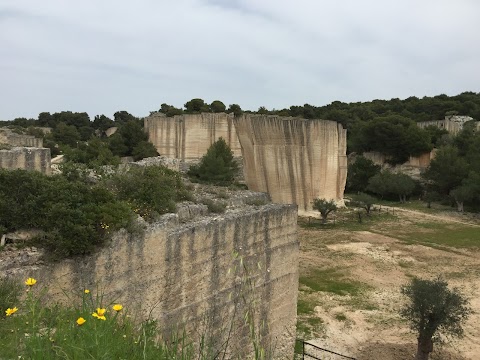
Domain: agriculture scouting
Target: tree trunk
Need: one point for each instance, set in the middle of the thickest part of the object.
(324, 219)
(459, 206)
(424, 348)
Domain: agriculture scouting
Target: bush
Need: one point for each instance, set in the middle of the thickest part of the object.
(217, 166)
(151, 191)
(74, 216)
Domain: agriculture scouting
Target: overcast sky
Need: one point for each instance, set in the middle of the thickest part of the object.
(101, 56)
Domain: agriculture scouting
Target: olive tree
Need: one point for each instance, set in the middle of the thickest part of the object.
(325, 207)
(433, 309)
(364, 201)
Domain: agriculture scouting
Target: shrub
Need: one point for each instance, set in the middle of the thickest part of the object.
(217, 166)
(74, 216)
(151, 191)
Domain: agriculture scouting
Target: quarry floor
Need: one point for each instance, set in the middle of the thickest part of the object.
(351, 274)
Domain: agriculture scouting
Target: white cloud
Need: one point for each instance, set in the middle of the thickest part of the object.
(104, 56)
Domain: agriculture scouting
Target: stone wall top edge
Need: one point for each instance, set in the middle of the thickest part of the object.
(169, 222)
(252, 116)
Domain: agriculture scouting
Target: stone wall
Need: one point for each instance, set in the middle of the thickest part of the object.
(26, 158)
(294, 160)
(10, 138)
(187, 137)
(453, 124)
(187, 275)
(413, 167)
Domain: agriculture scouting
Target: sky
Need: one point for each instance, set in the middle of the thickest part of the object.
(102, 56)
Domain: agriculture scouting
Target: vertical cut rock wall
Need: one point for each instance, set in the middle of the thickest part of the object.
(26, 158)
(187, 275)
(187, 137)
(294, 160)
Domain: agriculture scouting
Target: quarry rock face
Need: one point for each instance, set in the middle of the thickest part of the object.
(188, 136)
(294, 160)
(201, 277)
(26, 158)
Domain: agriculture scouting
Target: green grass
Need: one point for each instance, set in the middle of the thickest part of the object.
(332, 281)
(436, 234)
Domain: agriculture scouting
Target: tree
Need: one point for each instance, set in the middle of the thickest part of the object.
(144, 149)
(217, 166)
(235, 109)
(433, 309)
(446, 170)
(364, 201)
(217, 106)
(66, 134)
(196, 106)
(388, 183)
(325, 207)
(359, 172)
(170, 110)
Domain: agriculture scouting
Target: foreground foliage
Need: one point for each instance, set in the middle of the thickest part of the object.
(89, 328)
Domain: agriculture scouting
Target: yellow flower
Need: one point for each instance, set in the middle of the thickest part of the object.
(117, 307)
(86, 291)
(99, 314)
(101, 311)
(30, 282)
(81, 321)
(9, 311)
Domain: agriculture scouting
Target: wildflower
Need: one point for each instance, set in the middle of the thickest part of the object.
(117, 307)
(86, 291)
(100, 314)
(81, 321)
(30, 282)
(9, 311)
(101, 311)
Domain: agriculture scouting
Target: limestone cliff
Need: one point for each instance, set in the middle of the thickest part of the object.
(187, 137)
(26, 158)
(188, 275)
(294, 160)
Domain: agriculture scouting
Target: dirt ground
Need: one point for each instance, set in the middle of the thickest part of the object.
(367, 325)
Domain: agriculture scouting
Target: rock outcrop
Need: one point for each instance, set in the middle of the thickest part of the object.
(187, 137)
(19, 151)
(294, 160)
(453, 123)
(26, 158)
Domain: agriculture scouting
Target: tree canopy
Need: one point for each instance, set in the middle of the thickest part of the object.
(433, 309)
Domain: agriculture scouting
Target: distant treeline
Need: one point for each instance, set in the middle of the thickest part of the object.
(386, 126)
(84, 141)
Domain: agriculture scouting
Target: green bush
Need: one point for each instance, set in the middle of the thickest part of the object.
(74, 216)
(151, 191)
(217, 166)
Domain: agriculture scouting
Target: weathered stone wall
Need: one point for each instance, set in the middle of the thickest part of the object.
(10, 138)
(294, 160)
(188, 275)
(26, 158)
(187, 137)
(413, 167)
(453, 124)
